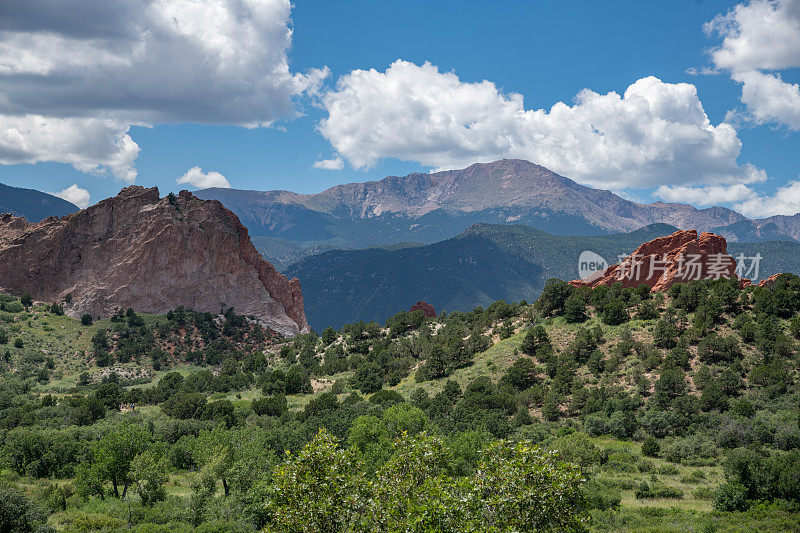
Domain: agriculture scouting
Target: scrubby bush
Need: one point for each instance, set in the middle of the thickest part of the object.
(18, 513)
(615, 314)
(643, 491)
(650, 447)
(601, 497)
(575, 310)
(695, 449)
(731, 497)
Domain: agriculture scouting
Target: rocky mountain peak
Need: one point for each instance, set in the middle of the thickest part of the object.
(150, 253)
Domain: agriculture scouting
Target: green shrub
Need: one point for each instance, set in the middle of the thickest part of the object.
(659, 490)
(338, 386)
(13, 307)
(600, 496)
(667, 470)
(689, 450)
(615, 314)
(731, 497)
(18, 513)
(703, 493)
(647, 310)
(650, 447)
(272, 406)
(621, 460)
(794, 326)
(643, 491)
(26, 299)
(575, 310)
(386, 398)
(92, 522)
(697, 476)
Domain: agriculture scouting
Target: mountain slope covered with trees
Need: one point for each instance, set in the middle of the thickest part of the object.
(33, 205)
(484, 264)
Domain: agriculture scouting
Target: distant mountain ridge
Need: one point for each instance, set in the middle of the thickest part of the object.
(432, 207)
(33, 205)
(483, 264)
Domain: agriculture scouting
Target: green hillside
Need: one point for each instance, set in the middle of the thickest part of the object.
(621, 409)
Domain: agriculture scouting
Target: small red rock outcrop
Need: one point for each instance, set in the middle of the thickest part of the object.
(677, 258)
(770, 281)
(427, 309)
(149, 253)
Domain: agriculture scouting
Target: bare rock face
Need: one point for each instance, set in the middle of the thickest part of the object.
(427, 309)
(677, 258)
(149, 253)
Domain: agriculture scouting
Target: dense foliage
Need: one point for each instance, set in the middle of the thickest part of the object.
(557, 414)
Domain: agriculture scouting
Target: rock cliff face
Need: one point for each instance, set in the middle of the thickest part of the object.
(149, 253)
(677, 258)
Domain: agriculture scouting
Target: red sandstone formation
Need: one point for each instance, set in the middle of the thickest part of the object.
(678, 258)
(770, 281)
(427, 309)
(149, 253)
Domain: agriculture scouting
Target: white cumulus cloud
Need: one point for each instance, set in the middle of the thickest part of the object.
(785, 201)
(758, 38)
(203, 180)
(140, 62)
(75, 195)
(769, 99)
(334, 163)
(655, 133)
(93, 145)
(761, 34)
(704, 196)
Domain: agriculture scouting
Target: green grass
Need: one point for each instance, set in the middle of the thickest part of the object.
(712, 477)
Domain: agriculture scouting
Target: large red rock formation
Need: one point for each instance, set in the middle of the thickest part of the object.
(149, 253)
(427, 309)
(678, 258)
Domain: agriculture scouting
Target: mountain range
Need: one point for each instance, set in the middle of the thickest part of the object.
(428, 208)
(33, 205)
(483, 264)
(456, 239)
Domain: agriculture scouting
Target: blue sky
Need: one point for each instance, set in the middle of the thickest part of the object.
(546, 52)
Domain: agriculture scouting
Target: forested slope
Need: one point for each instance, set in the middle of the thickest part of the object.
(602, 408)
